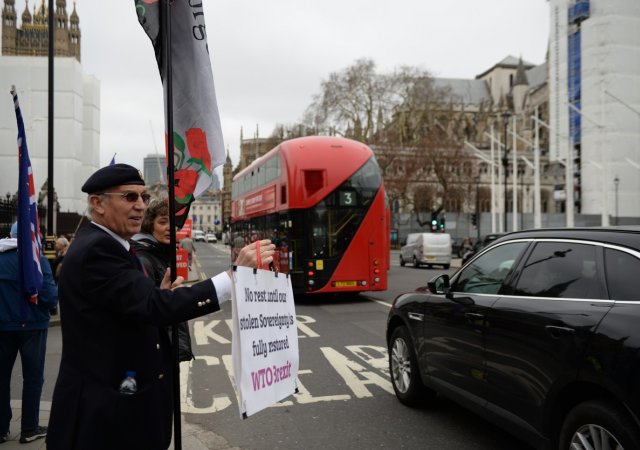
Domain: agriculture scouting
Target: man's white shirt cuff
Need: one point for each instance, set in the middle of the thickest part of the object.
(222, 284)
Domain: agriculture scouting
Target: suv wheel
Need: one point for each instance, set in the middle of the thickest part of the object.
(598, 424)
(403, 366)
(402, 261)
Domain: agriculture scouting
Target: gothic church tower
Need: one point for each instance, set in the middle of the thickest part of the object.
(32, 39)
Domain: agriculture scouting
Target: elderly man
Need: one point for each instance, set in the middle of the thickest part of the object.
(114, 321)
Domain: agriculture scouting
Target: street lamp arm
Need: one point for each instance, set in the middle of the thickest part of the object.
(521, 139)
(495, 139)
(529, 163)
(550, 128)
(633, 163)
(622, 102)
(595, 164)
(478, 153)
(579, 111)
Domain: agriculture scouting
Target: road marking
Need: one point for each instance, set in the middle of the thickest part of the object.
(352, 374)
(219, 401)
(304, 397)
(374, 355)
(388, 305)
(203, 332)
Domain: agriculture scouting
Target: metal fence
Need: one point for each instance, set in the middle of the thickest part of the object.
(67, 222)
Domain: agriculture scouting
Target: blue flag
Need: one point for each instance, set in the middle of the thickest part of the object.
(29, 243)
(113, 160)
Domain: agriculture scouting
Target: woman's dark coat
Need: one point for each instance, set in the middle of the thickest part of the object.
(156, 257)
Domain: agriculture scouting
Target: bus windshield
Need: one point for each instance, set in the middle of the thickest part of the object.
(336, 219)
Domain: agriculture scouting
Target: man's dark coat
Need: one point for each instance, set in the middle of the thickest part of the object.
(112, 319)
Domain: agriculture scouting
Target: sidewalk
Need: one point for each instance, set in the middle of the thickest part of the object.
(193, 437)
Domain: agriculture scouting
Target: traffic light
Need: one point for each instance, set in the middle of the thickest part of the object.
(434, 221)
(474, 219)
(442, 224)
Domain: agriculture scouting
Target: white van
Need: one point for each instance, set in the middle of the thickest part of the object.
(197, 235)
(428, 249)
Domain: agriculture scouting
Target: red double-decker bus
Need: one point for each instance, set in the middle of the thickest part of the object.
(321, 200)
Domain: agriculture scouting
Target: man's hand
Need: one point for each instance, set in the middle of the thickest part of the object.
(249, 257)
(166, 281)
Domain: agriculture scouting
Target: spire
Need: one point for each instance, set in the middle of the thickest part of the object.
(74, 14)
(26, 15)
(521, 75)
(9, 14)
(40, 14)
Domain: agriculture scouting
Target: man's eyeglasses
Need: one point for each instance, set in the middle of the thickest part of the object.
(131, 197)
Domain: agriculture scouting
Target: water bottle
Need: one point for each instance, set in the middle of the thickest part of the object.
(129, 385)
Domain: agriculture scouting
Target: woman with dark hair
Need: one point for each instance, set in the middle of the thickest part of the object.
(153, 248)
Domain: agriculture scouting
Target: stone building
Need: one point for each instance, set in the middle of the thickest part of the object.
(24, 63)
(227, 177)
(206, 212)
(32, 38)
(594, 55)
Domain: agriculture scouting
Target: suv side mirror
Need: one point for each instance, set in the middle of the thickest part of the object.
(439, 285)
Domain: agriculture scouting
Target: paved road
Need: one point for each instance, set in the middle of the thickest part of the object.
(345, 401)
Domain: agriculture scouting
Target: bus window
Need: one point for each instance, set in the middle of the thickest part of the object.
(337, 218)
(319, 232)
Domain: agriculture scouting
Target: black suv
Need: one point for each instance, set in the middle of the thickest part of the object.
(540, 333)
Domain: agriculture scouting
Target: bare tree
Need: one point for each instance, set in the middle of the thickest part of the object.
(350, 102)
(409, 121)
(443, 174)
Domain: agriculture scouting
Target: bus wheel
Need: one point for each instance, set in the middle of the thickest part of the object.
(402, 261)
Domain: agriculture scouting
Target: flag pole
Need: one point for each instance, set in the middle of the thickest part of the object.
(51, 213)
(165, 13)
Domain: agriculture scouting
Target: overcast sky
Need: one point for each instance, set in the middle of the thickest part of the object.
(269, 57)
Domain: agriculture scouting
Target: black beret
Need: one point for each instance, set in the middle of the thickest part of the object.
(110, 176)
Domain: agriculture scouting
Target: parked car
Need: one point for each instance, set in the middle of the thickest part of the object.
(428, 249)
(479, 245)
(198, 235)
(538, 333)
(456, 246)
(210, 237)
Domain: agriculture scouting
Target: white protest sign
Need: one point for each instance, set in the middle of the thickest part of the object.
(264, 346)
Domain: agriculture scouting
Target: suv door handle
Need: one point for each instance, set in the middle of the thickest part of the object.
(474, 315)
(556, 331)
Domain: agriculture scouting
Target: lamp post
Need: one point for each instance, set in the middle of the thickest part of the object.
(477, 180)
(505, 164)
(616, 182)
